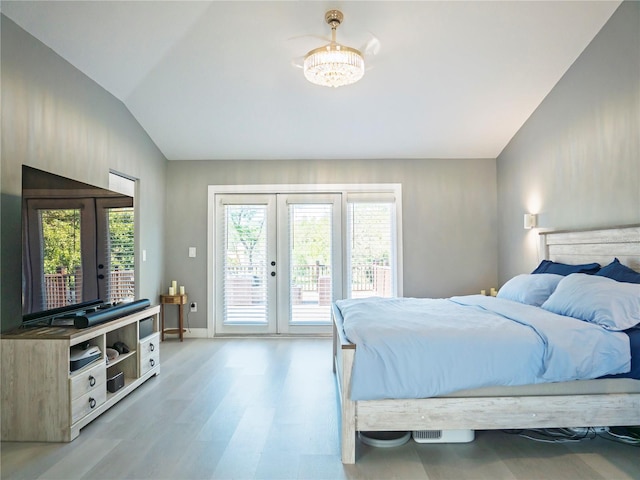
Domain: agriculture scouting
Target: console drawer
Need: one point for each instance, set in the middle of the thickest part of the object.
(149, 361)
(88, 380)
(150, 344)
(84, 404)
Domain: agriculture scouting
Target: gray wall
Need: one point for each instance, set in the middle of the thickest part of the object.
(449, 217)
(55, 118)
(576, 161)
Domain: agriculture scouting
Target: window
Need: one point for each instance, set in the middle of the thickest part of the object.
(371, 243)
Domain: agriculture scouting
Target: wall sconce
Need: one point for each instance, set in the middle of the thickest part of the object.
(530, 220)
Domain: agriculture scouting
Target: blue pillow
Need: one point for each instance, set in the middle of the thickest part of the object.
(530, 289)
(547, 266)
(620, 272)
(600, 300)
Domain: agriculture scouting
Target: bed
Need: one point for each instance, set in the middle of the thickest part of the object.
(578, 403)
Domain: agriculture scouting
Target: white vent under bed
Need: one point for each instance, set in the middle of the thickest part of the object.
(443, 436)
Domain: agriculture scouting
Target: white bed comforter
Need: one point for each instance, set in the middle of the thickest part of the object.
(416, 348)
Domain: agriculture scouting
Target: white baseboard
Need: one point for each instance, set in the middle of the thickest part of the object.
(204, 333)
(196, 333)
(190, 333)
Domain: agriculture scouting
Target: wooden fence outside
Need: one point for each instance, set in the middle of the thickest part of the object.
(62, 289)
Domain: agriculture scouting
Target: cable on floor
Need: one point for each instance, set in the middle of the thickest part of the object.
(626, 435)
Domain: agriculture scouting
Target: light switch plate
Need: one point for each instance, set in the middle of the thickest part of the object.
(192, 252)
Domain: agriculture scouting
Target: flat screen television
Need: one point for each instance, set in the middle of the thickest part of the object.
(77, 245)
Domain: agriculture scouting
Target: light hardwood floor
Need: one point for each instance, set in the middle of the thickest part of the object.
(266, 409)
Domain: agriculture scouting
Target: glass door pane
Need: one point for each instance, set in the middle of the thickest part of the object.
(311, 273)
(61, 257)
(245, 264)
(116, 249)
(60, 272)
(309, 251)
(245, 293)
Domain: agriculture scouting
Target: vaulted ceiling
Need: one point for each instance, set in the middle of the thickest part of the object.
(217, 80)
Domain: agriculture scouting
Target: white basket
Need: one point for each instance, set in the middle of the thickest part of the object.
(443, 436)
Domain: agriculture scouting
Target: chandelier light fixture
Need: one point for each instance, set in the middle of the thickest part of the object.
(334, 65)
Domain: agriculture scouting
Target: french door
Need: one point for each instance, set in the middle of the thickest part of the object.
(278, 262)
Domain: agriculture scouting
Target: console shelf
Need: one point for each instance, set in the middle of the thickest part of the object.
(43, 401)
(120, 358)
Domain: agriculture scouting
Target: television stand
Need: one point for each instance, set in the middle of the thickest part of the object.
(44, 401)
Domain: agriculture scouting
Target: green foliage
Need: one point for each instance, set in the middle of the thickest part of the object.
(246, 234)
(311, 240)
(61, 240)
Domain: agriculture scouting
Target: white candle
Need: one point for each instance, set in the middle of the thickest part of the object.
(172, 291)
(483, 292)
(174, 284)
(181, 289)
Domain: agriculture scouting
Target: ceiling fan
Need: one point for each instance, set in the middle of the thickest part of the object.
(334, 64)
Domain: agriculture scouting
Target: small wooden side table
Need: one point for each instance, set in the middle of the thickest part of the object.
(180, 301)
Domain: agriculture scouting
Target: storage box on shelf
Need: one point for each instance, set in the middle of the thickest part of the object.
(43, 400)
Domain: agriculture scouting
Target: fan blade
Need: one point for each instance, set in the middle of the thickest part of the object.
(298, 62)
(372, 46)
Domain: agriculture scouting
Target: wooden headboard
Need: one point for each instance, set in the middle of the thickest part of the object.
(594, 245)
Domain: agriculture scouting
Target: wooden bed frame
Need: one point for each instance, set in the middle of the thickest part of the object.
(496, 412)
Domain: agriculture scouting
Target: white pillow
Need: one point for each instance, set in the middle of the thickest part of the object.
(532, 289)
(600, 300)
